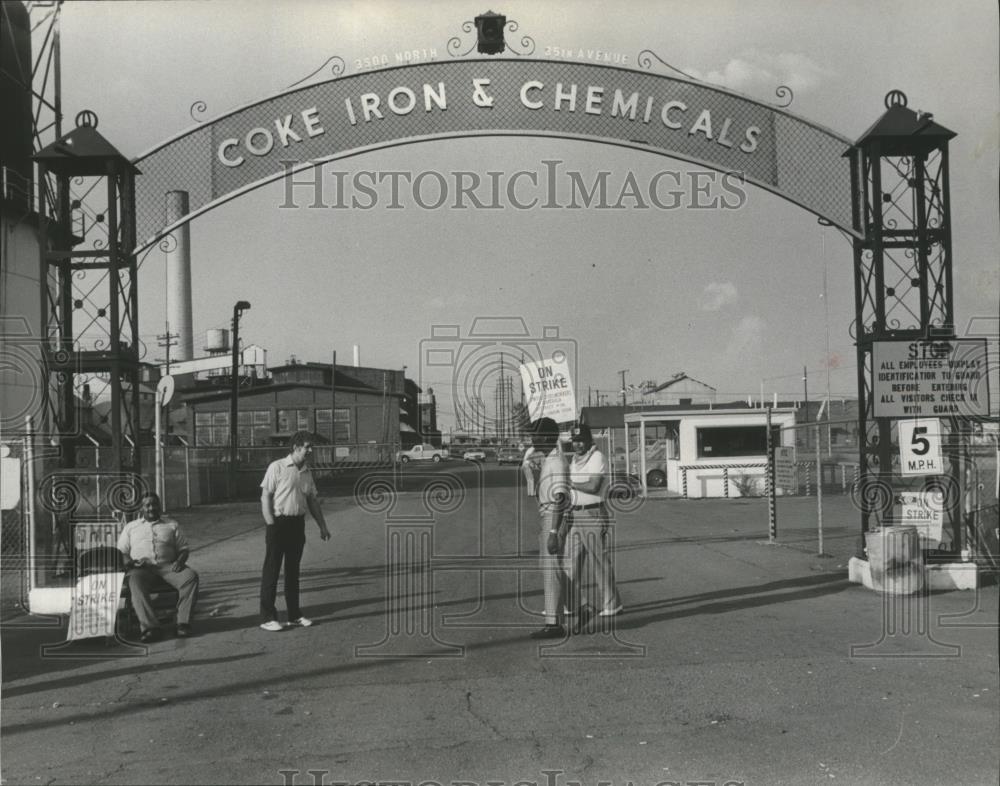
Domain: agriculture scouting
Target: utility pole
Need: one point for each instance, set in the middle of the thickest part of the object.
(234, 403)
(167, 340)
(623, 372)
(333, 411)
(500, 424)
(805, 390)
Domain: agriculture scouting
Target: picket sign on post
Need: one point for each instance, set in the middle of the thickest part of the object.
(925, 511)
(96, 601)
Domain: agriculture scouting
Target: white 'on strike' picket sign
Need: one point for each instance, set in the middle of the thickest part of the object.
(548, 389)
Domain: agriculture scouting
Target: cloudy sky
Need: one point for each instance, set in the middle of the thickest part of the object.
(732, 297)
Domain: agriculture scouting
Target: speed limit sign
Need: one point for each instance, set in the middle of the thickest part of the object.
(920, 447)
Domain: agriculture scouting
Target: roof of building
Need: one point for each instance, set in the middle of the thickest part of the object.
(81, 152)
(901, 131)
(193, 395)
(614, 417)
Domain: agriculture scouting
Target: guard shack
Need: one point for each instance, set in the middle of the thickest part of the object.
(703, 452)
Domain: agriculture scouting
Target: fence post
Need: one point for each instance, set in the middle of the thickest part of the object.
(187, 473)
(684, 482)
(725, 480)
(772, 516)
(29, 499)
(819, 493)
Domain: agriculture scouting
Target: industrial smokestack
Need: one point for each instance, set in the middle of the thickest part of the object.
(179, 277)
(357, 356)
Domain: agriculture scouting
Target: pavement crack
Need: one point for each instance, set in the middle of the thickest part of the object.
(485, 722)
(902, 720)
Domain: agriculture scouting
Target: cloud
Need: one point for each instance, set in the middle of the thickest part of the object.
(759, 73)
(747, 338)
(718, 294)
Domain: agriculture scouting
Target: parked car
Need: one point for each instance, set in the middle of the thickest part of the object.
(422, 452)
(656, 462)
(474, 455)
(509, 456)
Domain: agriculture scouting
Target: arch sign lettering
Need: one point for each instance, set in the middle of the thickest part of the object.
(346, 116)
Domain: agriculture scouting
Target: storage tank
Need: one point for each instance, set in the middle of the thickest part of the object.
(15, 98)
(216, 341)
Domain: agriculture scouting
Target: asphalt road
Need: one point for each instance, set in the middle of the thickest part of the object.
(736, 661)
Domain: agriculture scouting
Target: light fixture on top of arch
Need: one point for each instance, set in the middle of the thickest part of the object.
(489, 33)
(491, 29)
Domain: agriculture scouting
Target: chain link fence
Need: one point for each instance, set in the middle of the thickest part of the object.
(202, 475)
(817, 478)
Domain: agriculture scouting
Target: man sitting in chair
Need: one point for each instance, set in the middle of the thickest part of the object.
(155, 549)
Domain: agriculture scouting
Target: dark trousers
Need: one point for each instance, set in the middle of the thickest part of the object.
(285, 540)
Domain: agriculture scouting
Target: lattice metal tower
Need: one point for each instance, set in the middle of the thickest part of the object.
(902, 271)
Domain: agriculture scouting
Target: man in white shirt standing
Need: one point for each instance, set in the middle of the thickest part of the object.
(287, 492)
(586, 545)
(154, 549)
(545, 468)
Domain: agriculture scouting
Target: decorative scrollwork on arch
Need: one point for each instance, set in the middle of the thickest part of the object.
(198, 108)
(647, 57)
(645, 60)
(337, 68)
(785, 96)
(168, 243)
(527, 42)
(455, 44)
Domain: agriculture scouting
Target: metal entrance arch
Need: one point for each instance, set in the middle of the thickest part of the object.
(246, 148)
(888, 192)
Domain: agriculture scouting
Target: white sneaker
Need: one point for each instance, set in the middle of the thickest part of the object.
(612, 612)
(301, 622)
(272, 626)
